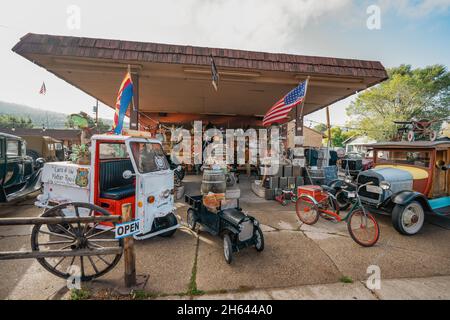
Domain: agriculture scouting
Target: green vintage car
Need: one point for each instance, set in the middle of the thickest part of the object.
(19, 173)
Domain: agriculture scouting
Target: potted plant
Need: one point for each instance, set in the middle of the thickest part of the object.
(81, 154)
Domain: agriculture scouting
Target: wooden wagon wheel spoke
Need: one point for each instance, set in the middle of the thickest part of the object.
(56, 242)
(99, 233)
(56, 234)
(65, 230)
(93, 264)
(77, 236)
(59, 262)
(86, 224)
(89, 232)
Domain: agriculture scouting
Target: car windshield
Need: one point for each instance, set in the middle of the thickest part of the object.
(149, 157)
(416, 158)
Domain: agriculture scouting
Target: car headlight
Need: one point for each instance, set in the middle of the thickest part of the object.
(385, 185)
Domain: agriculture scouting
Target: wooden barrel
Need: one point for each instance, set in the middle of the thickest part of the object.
(213, 181)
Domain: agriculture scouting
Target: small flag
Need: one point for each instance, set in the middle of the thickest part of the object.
(124, 98)
(43, 89)
(279, 112)
(215, 74)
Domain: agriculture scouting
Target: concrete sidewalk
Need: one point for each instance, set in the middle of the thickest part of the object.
(433, 288)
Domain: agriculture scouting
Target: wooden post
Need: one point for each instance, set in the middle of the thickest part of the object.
(129, 254)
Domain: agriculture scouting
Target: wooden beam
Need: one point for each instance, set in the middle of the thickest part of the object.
(56, 220)
(13, 255)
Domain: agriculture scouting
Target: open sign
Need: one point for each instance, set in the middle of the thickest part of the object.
(127, 229)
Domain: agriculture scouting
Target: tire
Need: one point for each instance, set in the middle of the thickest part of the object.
(408, 219)
(191, 219)
(171, 221)
(307, 211)
(364, 230)
(259, 242)
(342, 200)
(227, 248)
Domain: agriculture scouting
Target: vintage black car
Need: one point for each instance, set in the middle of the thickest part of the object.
(237, 229)
(19, 174)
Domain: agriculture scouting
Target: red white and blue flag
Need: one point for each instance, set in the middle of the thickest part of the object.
(124, 98)
(279, 112)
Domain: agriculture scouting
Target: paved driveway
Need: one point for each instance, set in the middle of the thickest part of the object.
(295, 255)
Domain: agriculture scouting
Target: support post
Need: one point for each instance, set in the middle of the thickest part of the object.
(134, 112)
(129, 253)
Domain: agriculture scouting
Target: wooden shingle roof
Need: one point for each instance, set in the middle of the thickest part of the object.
(180, 54)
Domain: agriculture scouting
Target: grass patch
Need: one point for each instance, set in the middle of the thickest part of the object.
(143, 295)
(192, 288)
(79, 294)
(346, 279)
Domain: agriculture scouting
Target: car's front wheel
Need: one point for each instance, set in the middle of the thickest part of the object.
(408, 219)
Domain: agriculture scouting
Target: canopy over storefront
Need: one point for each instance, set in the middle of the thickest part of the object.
(174, 81)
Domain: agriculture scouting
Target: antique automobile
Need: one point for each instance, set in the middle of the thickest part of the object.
(410, 180)
(123, 169)
(237, 229)
(44, 147)
(354, 162)
(19, 174)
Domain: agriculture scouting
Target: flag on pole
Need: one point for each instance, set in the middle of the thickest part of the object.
(215, 74)
(279, 112)
(43, 89)
(124, 98)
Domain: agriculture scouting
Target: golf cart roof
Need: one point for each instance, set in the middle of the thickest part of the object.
(441, 144)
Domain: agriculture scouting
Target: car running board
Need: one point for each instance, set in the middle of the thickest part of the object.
(154, 234)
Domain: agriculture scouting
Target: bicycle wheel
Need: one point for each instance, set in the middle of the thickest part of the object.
(363, 229)
(307, 211)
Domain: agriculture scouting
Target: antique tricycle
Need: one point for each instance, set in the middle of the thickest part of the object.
(123, 170)
(237, 229)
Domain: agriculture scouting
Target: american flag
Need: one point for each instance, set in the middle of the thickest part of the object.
(281, 109)
(43, 89)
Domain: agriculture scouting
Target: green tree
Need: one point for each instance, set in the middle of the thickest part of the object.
(101, 126)
(320, 127)
(338, 136)
(9, 122)
(409, 94)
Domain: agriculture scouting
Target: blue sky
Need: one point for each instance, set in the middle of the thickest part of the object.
(412, 32)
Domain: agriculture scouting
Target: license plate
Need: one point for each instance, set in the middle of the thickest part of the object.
(351, 194)
(373, 189)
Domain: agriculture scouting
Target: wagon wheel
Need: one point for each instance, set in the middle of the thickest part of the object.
(433, 135)
(76, 236)
(411, 136)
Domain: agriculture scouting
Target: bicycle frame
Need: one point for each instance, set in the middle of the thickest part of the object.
(356, 204)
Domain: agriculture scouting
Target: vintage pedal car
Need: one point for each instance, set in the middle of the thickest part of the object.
(123, 169)
(237, 229)
(410, 179)
(19, 174)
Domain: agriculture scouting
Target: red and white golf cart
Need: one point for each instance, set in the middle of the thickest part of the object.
(123, 169)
